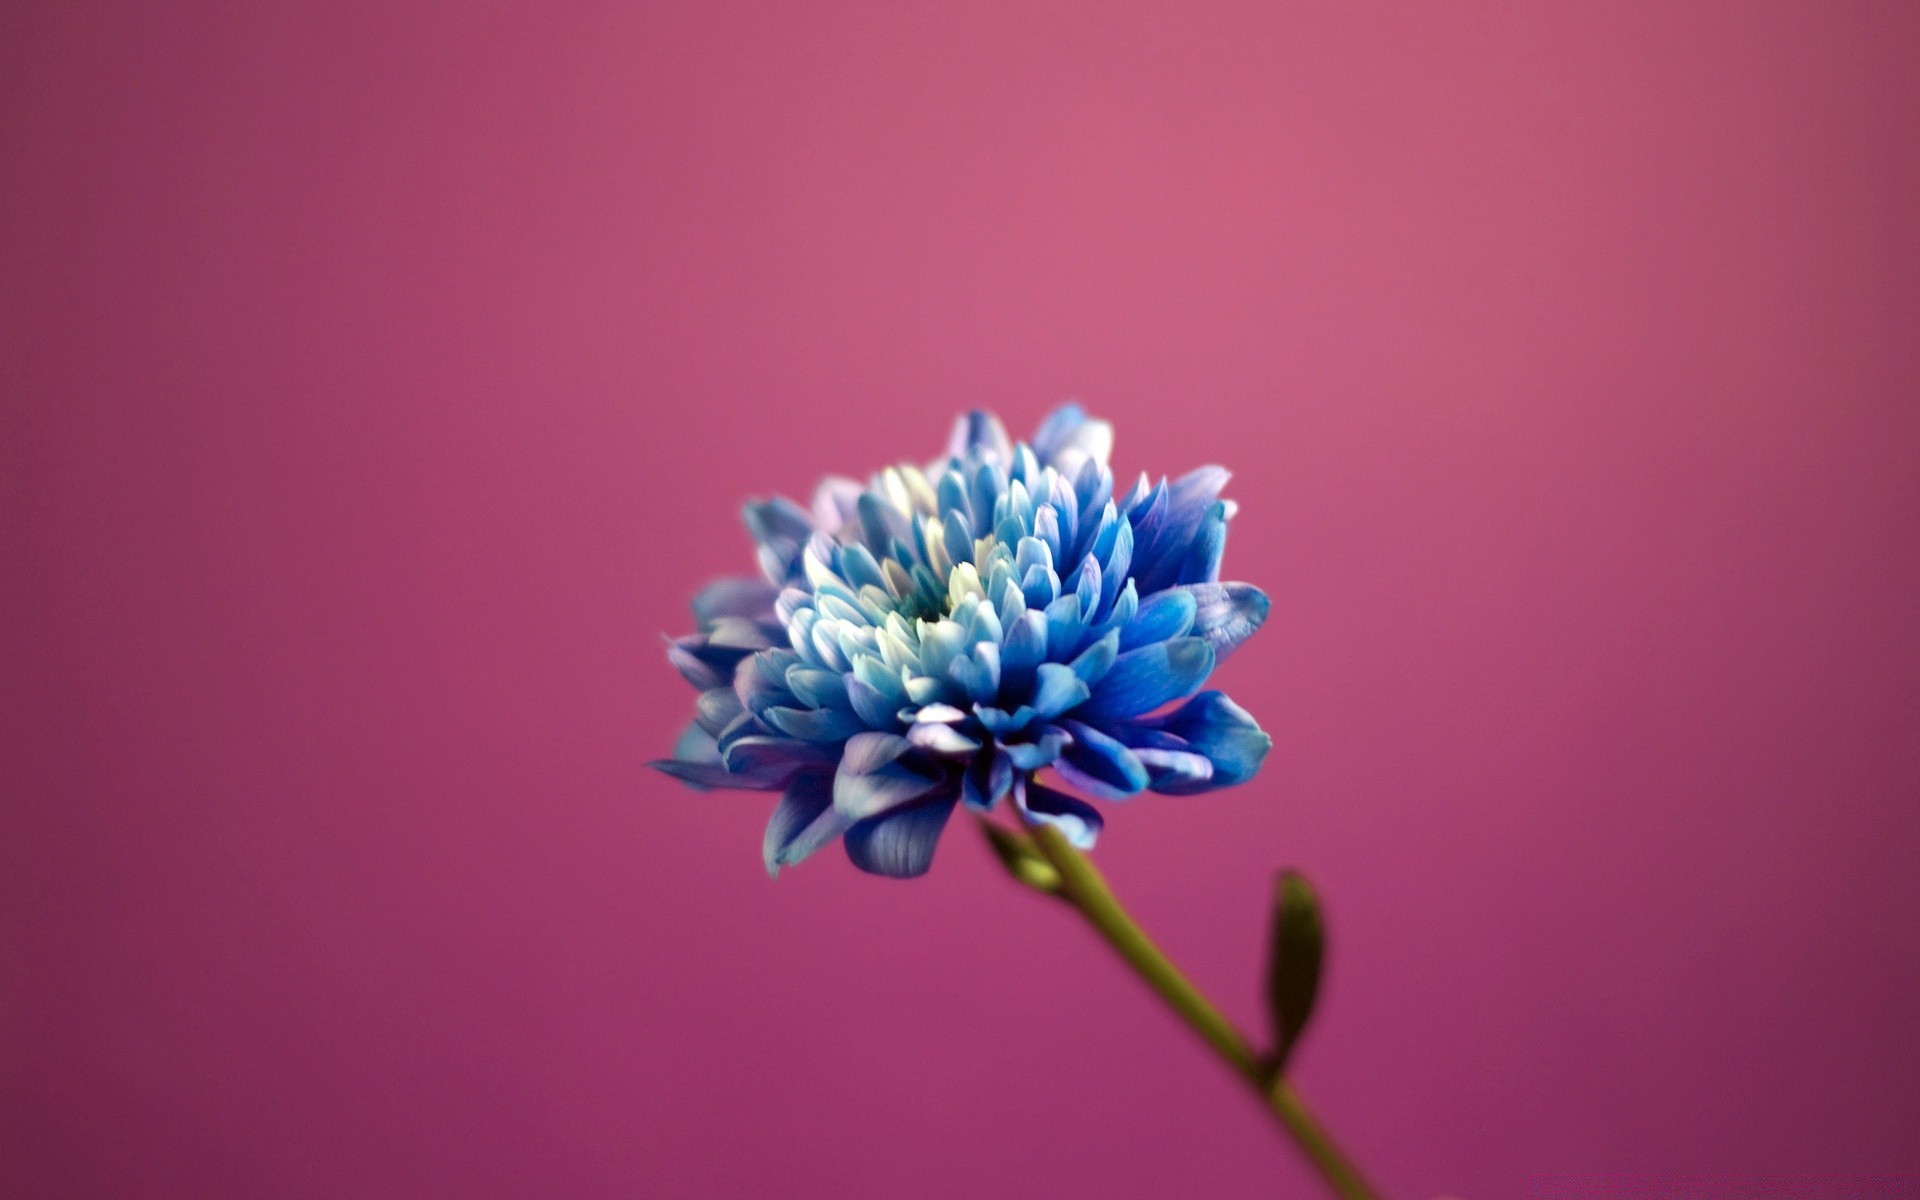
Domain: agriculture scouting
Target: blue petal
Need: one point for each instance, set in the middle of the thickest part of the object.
(984, 489)
(1040, 586)
(1096, 660)
(1057, 689)
(922, 690)
(815, 724)
(826, 646)
(1064, 627)
(1161, 616)
(1144, 679)
(1144, 737)
(1103, 534)
(857, 565)
(875, 707)
(1223, 731)
(898, 844)
(873, 778)
(777, 519)
(980, 435)
(1019, 510)
(1198, 489)
(1110, 769)
(696, 744)
(959, 539)
(1031, 756)
(761, 680)
(881, 524)
(999, 721)
(1071, 815)
(838, 603)
(1226, 614)
(940, 643)
(871, 671)
(1087, 587)
(1029, 553)
(1012, 601)
(1092, 488)
(1067, 440)
(989, 776)
(984, 627)
(1026, 468)
(780, 530)
(978, 672)
(1057, 429)
(1124, 607)
(817, 688)
(1116, 565)
(1025, 646)
(802, 822)
(1046, 527)
(1150, 516)
(1171, 522)
(788, 603)
(1202, 561)
(955, 511)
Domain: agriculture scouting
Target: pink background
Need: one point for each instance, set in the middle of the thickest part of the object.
(379, 381)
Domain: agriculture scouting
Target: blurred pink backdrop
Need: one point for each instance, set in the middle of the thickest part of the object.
(379, 381)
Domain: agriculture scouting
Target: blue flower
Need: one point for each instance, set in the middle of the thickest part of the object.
(940, 635)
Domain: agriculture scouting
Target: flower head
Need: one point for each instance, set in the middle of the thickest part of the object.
(940, 635)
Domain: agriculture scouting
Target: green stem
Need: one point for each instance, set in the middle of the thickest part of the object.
(1083, 886)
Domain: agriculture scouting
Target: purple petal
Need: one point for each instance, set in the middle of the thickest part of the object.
(1227, 614)
(1175, 772)
(989, 776)
(717, 708)
(716, 775)
(899, 844)
(980, 433)
(1071, 815)
(1225, 733)
(702, 665)
(936, 738)
(770, 752)
(1043, 751)
(1201, 563)
(876, 776)
(1110, 769)
(736, 597)
(802, 822)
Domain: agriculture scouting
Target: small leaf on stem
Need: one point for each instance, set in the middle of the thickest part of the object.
(1022, 858)
(1293, 964)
